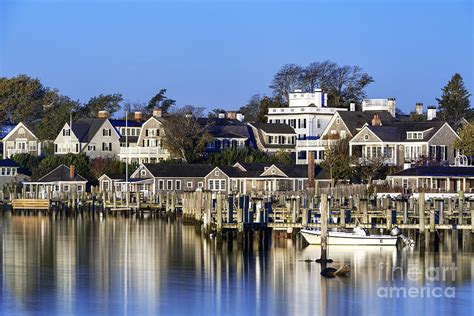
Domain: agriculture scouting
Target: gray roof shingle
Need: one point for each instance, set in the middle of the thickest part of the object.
(61, 173)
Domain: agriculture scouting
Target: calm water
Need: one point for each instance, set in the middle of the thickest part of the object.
(154, 266)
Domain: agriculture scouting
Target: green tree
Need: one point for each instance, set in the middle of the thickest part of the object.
(22, 99)
(454, 103)
(415, 117)
(103, 102)
(337, 161)
(56, 116)
(160, 100)
(465, 143)
(26, 161)
(47, 164)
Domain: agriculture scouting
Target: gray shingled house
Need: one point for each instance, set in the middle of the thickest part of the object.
(60, 180)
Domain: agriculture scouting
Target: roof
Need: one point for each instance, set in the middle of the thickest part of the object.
(179, 170)
(355, 120)
(122, 123)
(436, 171)
(274, 128)
(398, 131)
(7, 163)
(85, 129)
(61, 173)
(255, 170)
(222, 127)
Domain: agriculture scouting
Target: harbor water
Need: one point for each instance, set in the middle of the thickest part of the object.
(141, 266)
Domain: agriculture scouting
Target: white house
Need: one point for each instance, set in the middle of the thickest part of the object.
(309, 115)
(96, 137)
(21, 140)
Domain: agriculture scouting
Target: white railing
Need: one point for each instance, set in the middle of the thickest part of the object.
(387, 161)
(143, 151)
(310, 143)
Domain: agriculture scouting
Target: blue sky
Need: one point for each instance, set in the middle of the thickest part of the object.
(220, 53)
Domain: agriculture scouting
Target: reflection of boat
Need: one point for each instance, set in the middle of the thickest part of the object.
(358, 237)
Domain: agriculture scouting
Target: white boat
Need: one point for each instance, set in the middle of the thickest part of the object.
(358, 237)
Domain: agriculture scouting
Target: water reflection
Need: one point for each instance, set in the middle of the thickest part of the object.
(148, 266)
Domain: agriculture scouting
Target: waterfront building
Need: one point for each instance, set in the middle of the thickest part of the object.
(145, 145)
(259, 178)
(273, 137)
(439, 179)
(405, 143)
(345, 124)
(308, 114)
(21, 140)
(95, 137)
(227, 132)
(11, 173)
(61, 180)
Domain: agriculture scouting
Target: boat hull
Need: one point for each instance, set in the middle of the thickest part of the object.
(339, 238)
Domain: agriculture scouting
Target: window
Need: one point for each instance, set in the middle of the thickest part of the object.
(222, 184)
(366, 137)
(106, 146)
(56, 187)
(66, 188)
(21, 131)
(79, 188)
(200, 185)
(66, 132)
(216, 173)
(8, 171)
(91, 147)
(318, 122)
(32, 145)
(338, 121)
(2, 171)
(143, 173)
(161, 185)
(14, 171)
(189, 184)
(106, 132)
(169, 185)
(414, 135)
(105, 186)
(178, 185)
(211, 184)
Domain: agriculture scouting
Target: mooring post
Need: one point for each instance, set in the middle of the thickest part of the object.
(324, 210)
(432, 215)
(421, 211)
(219, 212)
(461, 208)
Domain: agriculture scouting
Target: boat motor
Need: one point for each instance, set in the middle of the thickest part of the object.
(396, 231)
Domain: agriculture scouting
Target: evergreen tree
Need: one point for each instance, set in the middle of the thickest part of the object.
(454, 102)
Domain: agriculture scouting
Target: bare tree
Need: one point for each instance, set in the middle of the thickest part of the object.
(286, 80)
(186, 134)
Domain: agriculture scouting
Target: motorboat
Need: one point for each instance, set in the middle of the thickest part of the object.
(359, 236)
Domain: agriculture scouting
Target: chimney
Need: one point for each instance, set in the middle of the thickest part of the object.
(138, 116)
(103, 114)
(72, 171)
(157, 112)
(391, 104)
(431, 113)
(419, 108)
(240, 117)
(352, 107)
(221, 115)
(376, 120)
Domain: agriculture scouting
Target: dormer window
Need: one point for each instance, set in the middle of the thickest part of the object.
(414, 135)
